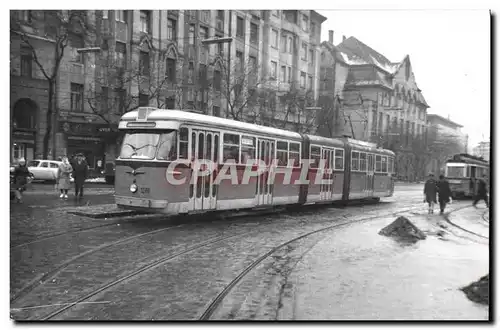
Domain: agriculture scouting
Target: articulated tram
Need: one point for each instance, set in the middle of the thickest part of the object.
(463, 172)
(177, 162)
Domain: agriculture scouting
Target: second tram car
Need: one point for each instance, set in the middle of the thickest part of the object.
(154, 138)
(463, 171)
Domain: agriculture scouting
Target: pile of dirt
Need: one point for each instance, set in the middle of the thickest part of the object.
(404, 229)
(479, 291)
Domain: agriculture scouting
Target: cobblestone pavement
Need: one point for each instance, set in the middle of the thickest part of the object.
(157, 270)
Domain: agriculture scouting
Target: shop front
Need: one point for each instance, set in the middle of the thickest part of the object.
(23, 145)
(91, 140)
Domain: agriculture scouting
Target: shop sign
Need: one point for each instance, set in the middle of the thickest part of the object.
(85, 129)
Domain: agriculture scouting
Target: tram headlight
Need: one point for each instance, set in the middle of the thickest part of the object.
(133, 187)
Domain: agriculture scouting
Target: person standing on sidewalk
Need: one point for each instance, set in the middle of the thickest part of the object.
(482, 192)
(21, 175)
(80, 172)
(444, 192)
(430, 191)
(63, 174)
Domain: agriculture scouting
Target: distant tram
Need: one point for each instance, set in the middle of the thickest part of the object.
(154, 138)
(463, 171)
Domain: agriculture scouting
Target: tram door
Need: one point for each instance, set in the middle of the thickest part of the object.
(203, 192)
(264, 189)
(326, 190)
(370, 175)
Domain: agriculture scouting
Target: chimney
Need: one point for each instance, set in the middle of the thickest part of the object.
(343, 38)
(330, 36)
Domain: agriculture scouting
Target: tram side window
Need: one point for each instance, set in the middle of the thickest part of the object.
(247, 149)
(378, 163)
(167, 147)
(231, 148)
(384, 164)
(294, 153)
(183, 143)
(390, 166)
(355, 161)
(339, 159)
(315, 155)
(282, 153)
(362, 161)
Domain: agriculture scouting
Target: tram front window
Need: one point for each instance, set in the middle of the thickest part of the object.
(456, 172)
(167, 148)
(139, 145)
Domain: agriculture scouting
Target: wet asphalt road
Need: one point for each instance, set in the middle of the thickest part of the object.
(66, 267)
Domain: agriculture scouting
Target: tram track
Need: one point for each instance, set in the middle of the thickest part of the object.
(166, 259)
(447, 218)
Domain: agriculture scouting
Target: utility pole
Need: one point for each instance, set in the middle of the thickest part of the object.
(466, 143)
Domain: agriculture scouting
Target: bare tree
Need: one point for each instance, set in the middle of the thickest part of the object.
(238, 84)
(59, 27)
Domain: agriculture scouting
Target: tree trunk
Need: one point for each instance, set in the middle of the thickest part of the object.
(48, 117)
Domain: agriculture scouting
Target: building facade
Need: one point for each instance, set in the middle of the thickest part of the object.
(482, 150)
(445, 139)
(374, 99)
(121, 59)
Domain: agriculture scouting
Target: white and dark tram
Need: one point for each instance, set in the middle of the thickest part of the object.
(463, 172)
(154, 138)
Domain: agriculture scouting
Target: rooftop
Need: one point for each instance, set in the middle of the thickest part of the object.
(431, 117)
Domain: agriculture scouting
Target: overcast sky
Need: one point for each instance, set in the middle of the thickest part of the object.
(449, 52)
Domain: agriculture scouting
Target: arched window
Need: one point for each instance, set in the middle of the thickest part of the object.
(24, 114)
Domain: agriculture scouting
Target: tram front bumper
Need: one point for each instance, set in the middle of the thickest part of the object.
(141, 202)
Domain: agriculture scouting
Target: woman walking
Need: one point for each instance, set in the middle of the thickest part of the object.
(21, 175)
(63, 174)
(430, 192)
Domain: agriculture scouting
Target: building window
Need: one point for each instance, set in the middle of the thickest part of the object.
(120, 15)
(120, 51)
(240, 27)
(239, 61)
(26, 62)
(205, 16)
(283, 73)
(311, 57)
(220, 20)
(119, 100)
(274, 38)
(220, 46)
(313, 28)
(190, 72)
(171, 70)
(275, 13)
(27, 16)
(254, 33)
(143, 100)
(216, 111)
(104, 98)
(191, 34)
(202, 74)
(289, 74)
(303, 54)
(290, 45)
(283, 43)
(302, 79)
(305, 23)
(145, 21)
(274, 67)
(105, 14)
(203, 33)
(220, 14)
(76, 97)
(172, 29)
(144, 63)
(217, 80)
(310, 83)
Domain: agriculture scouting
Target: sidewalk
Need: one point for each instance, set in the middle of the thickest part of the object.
(356, 274)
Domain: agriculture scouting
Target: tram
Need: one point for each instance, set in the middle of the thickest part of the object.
(463, 172)
(245, 166)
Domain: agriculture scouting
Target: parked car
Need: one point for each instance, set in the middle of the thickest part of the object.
(44, 169)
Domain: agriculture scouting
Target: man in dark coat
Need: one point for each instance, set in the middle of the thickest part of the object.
(482, 192)
(430, 192)
(444, 192)
(80, 172)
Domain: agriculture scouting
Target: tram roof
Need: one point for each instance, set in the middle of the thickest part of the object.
(196, 118)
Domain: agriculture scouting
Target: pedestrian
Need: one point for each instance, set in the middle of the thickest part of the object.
(482, 192)
(63, 179)
(444, 192)
(430, 191)
(80, 172)
(21, 178)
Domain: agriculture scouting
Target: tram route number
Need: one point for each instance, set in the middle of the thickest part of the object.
(144, 190)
